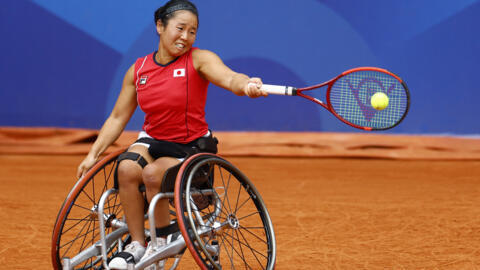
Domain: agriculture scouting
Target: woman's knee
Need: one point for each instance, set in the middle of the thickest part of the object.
(152, 175)
(129, 172)
(154, 172)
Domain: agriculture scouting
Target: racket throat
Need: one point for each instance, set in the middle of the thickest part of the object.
(293, 91)
(286, 91)
(290, 91)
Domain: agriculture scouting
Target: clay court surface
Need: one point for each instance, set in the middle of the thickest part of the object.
(329, 212)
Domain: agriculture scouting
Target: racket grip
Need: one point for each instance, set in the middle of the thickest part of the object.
(279, 90)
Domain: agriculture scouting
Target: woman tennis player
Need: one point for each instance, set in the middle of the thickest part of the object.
(170, 86)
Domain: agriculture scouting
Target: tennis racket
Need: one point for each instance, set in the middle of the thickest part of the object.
(349, 97)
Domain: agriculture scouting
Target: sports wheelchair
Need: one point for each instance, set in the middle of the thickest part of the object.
(216, 213)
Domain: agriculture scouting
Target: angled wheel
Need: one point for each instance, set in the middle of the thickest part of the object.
(222, 217)
(76, 228)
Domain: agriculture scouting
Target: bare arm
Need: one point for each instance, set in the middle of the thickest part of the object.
(212, 68)
(115, 123)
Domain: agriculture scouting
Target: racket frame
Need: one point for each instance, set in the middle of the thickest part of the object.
(292, 91)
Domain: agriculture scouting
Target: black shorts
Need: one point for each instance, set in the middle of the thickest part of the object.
(160, 148)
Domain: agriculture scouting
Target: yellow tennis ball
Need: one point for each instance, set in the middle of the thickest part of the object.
(379, 101)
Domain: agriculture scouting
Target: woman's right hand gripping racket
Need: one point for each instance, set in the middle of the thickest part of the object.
(366, 98)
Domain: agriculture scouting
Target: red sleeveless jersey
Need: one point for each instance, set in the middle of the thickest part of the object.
(173, 97)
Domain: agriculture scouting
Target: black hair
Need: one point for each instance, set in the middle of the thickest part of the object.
(166, 12)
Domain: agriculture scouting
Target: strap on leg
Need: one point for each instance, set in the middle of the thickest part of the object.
(169, 229)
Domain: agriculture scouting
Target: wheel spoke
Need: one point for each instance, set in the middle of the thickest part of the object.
(254, 251)
(231, 244)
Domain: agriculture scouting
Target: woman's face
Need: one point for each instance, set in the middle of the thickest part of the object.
(179, 34)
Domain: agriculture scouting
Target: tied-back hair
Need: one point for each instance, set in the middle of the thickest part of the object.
(165, 13)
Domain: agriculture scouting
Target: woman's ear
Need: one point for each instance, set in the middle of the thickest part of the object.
(160, 27)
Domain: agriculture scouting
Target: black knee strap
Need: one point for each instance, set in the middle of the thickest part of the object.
(133, 156)
(128, 156)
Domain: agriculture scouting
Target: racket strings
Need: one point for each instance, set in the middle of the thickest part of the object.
(350, 98)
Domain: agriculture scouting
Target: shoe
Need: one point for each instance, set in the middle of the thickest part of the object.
(160, 243)
(132, 253)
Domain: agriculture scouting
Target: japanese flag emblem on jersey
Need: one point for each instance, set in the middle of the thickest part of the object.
(180, 72)
(143, 80)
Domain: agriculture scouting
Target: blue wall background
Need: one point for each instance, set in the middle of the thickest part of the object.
(62, 62)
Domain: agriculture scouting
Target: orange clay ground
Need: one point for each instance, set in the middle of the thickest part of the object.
(329, 211)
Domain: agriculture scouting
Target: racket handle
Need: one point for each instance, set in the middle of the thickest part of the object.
(280, 90)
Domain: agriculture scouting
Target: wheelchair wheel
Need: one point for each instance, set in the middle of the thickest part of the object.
(76, 227)
(222, 217)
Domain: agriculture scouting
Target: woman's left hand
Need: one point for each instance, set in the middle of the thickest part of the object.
(253, 88)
